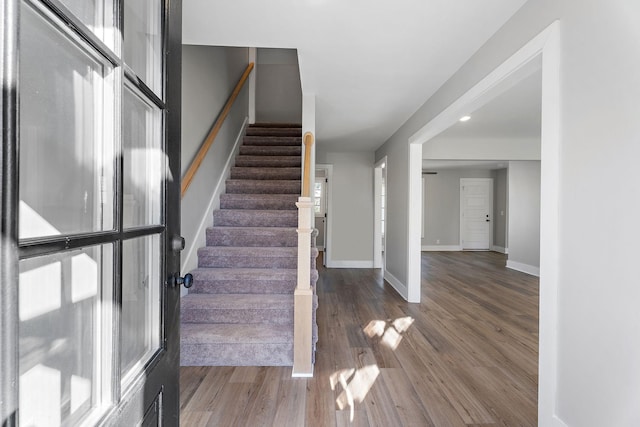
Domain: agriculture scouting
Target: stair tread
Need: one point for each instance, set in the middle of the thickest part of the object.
(243, 273)
(275, 218)
(264, 201)
(275, 125)
(238, 301)
(265, 251)
(248, 212)
(269, 182)
(253, 230)
(235, 333)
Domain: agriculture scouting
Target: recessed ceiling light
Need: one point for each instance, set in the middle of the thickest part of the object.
(465, 118)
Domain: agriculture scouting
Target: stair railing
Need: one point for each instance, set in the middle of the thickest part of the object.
(208, 142)
(303, 297)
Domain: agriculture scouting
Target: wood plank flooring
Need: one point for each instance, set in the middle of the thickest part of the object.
(465, 356)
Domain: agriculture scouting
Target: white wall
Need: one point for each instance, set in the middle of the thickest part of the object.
(209, 75)
(441, 206)
(278, 89)
(524, 216)
(482, 149)
(351, 208)
(594, 372)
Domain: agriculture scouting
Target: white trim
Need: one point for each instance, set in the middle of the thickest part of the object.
(302, 375)
(424, 198)
(253, 57)
(525, 268)
(414, 214)
(349, 264)
(328, 224)
(557, 422)
(395, 284)
(546, 45)
(441, 248)
(379, 246)
(191, 258)
(499, 249)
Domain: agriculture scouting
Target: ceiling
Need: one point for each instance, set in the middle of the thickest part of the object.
(371, 64)
(514, 113)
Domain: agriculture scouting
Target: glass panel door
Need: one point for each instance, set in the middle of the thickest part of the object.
(61, 324)
(66, 158)
(89, 155)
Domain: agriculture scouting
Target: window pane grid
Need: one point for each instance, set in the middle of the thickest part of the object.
(70, 195)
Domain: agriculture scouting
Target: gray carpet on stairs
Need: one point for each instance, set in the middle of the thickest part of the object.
(239, 311)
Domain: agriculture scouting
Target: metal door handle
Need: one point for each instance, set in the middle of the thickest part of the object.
(176, 280)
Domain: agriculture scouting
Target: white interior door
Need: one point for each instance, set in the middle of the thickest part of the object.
(476, 213)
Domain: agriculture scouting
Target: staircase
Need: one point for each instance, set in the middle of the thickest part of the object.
(239, 311)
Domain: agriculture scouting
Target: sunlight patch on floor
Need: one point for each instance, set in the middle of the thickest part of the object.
(355, 384)
(390, 331)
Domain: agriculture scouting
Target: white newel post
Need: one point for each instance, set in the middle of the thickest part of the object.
(302, 328)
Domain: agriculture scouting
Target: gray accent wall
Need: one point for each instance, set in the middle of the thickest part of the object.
(209, 75)
(351, 208)
(278, 87)
(524, 213)
(596, 316)
(441, 204)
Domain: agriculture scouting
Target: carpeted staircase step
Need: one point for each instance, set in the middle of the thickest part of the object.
(255, 218)
(271, 141)
(279, 150)
(252, 236)
(268, 161)
(263, 186)
(273, 309)
(239, 311)
(271, 131)
(259, 201)
(276, 125)
(246, 280)
(236, 345)
(266, 173)
(251, 257)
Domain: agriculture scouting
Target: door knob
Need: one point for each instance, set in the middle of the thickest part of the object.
(176, 280)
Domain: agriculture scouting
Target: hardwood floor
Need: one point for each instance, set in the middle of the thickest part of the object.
(465, 356)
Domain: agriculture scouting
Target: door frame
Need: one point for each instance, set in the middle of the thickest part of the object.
(463, 182)
(9, 211)
(545, 46)
(379, 245)
(328, 224)
(141, 395)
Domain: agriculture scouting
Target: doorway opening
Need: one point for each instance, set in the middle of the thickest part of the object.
(544, 45)
(322, 209)
(379, 216)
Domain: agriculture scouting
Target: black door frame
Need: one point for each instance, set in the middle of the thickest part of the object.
(11, 250)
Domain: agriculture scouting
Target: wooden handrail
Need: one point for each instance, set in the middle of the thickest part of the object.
(208, 142)
(308, 142)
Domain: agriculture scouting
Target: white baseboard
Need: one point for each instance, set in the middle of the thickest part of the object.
(349, 264)
(500, 249)
(190, 260)
(525, 268)
(557, 422)
(396, 284)
(443, 248)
